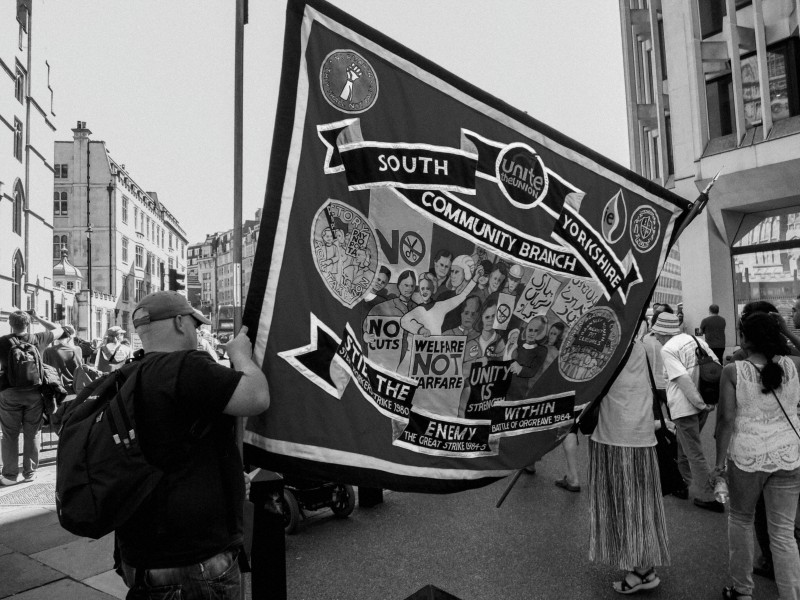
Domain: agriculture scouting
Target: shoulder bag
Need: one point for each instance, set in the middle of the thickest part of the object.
(666, 447)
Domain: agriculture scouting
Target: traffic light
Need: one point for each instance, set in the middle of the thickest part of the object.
(175, 280)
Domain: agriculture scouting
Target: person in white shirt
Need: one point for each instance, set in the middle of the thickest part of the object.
(687, 408)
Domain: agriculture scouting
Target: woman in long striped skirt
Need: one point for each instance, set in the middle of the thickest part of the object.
(628, 529)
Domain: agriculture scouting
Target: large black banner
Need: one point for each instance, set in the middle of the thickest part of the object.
(441, 281)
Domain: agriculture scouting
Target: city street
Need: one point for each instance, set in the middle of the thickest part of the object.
(534, 546)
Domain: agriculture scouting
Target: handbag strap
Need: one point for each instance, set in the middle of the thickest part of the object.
(656, 399)
(783, 410)
(700, 350)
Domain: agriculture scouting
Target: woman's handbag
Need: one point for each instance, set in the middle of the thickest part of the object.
(666, 448)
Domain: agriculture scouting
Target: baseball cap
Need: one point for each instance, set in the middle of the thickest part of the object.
(164, 305)
(515, 272)
(666, 324)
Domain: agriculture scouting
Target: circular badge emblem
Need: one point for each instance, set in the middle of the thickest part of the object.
(345, 251)
(589, 345)
(348, 81)
(503, 313)
(413, 248)
(645, 228)
(521, 175)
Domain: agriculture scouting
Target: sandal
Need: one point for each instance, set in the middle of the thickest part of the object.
(647, 581)
(730, 592)
(564, 484)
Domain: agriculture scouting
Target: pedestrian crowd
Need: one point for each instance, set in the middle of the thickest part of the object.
(756, 470)
(174, 540)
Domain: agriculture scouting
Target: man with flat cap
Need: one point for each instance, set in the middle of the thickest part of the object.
(185, 538)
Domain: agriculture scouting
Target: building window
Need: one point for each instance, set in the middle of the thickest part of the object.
(18, 139)
(17, 269)
(19, 205)
(170, 241)
(136, 218)
(59, 242)
(60, 171)
(60, 204)
(712, 13)
(125, 250)
(124, 209)
(719, 96)
(70, 285)
(126, 294)
(783, 67)
(138, 290)
(98, 323)
(139, 257)
(19, 85)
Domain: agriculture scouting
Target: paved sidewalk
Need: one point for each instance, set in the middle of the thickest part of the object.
(39, 559)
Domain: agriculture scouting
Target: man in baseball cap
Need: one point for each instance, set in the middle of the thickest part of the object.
(165, 305)
(166, 543)
(686, 406)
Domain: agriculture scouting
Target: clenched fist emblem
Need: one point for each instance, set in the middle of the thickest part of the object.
(353, 73)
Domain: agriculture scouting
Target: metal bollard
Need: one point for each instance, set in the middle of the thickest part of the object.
(268, 556)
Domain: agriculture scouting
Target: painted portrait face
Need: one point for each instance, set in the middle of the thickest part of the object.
(535, 330)
(488, 317)
(469, 313)
(456, 276)
(483, 280)
(512, 284)
(406, 287)
(361, 257)
(327, 237)
(379, 282)
(442, 267)
(796, 315)
(495, 281)
(553, 335)
(425, 289)
(340, 236)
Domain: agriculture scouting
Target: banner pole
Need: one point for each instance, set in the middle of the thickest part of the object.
(238, 112)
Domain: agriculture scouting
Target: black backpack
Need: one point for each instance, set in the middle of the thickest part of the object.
(24, 364)
(102, 476)
(710, 373)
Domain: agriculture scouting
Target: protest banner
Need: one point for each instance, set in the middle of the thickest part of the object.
(441, 281)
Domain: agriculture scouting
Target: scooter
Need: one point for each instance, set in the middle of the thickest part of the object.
(300, 495)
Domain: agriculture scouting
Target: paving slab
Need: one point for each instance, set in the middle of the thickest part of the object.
(4, 550)
(108, 582)
(33, 529)
(66, 589)
(22, 573)
(81, 558)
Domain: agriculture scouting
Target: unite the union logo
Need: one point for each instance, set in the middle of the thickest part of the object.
(348, 81)
(521, 175)
(645, 228)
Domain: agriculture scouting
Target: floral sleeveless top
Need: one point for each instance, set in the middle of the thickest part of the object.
(763, 439)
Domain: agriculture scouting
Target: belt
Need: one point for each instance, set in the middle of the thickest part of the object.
(208, 569)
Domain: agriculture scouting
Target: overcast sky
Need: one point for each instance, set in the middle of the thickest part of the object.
(154, 80)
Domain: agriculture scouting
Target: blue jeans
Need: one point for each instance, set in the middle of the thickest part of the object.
(692, 462)
(20, 411)
(781, 492)
(217, 578)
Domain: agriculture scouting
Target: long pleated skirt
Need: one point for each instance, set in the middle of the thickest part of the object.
(628, 528)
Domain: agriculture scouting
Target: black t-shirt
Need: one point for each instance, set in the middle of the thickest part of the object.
(196, 510)
(65, 359)
(41, 340)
